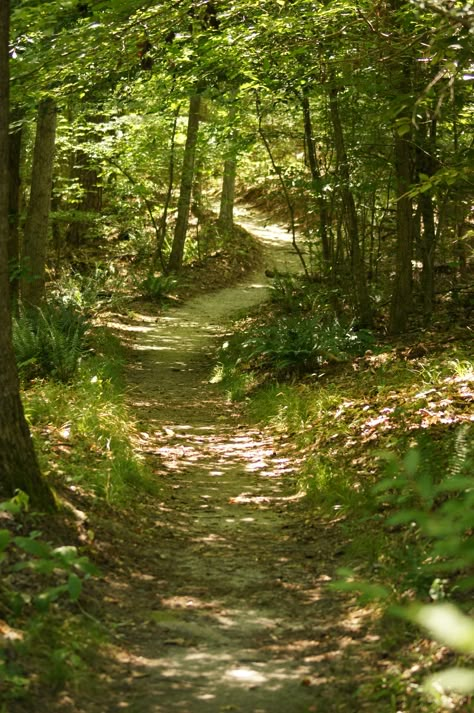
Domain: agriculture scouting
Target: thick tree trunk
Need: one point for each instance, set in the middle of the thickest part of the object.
(37, 219)
(187, 176)
(18, 464)
(359, 275)
(316, 179)
(14, 171)
(401, 301)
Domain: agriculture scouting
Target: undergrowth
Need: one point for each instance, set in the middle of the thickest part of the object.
(49, 341)
(85, 438)
(384, 439)
(84, 431)
(40, 588)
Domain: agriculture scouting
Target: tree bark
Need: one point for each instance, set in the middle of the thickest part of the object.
(89, 202)
(401, 301)
(37, 219)
(426, 165)
(18, 464)
(316, 178)
(359, 275)
(187, 175)
(14, 170)
(226, 209)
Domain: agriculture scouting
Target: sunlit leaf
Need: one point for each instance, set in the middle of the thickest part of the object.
(447, 624)
(457, 680)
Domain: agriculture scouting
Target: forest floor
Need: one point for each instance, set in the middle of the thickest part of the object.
(214, 595)
(217, 588)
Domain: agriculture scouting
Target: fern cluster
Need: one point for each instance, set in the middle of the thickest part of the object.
(299, 344)
(49, 342)
(156, 287)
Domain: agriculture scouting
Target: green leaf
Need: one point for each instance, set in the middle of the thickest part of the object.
(456, 679)
(5, 539)
(33, 547)
(74, 586)
(43, 600)
(412, 461)
(68, 553)
(447, 624)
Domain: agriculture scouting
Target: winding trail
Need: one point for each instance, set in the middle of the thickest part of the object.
(222, 584)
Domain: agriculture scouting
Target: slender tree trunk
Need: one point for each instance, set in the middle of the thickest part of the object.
(14, 171)
(316, 178)
(226, 210)
(285, 191)
(358, 268)
(162, 226)
(18, 464)
(426, 164)
(37, 219)
(401, 301)
(428, 250)
(90, 200)
(185, 193)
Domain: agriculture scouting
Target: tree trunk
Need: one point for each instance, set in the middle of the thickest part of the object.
(187, 175)
(89, 202)
(37, 219)
(358, 268)
(426, 164)
(226, 210)
(401, 301)
(14, 171)
(428, 248)
(18, 464)
(316, 179)
(162, 225)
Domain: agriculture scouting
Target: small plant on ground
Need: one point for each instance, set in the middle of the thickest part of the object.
(49, 341)
(84, 431)
(55, 574)
(156, 287)
(294, 345)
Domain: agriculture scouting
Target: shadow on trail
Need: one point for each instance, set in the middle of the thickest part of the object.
(219, 585)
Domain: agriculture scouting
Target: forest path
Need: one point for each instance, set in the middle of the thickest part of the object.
(221, 587)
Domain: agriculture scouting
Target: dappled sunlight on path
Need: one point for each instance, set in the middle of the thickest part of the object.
(224, 599)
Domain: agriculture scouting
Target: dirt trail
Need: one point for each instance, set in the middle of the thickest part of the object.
(222, 591)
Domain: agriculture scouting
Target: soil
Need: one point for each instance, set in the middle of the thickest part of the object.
(216, 590)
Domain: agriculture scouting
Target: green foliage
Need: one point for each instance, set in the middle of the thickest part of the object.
(156, 287)
(297, 344)
(298, 294)
(55, 573)
(49, 342)
(91, 416)
(448, 625)
(440, 505)
(86, 292)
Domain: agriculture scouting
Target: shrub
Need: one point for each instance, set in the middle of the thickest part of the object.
(440, 505)
(156, 287)
(295, 344)
(49, 342)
